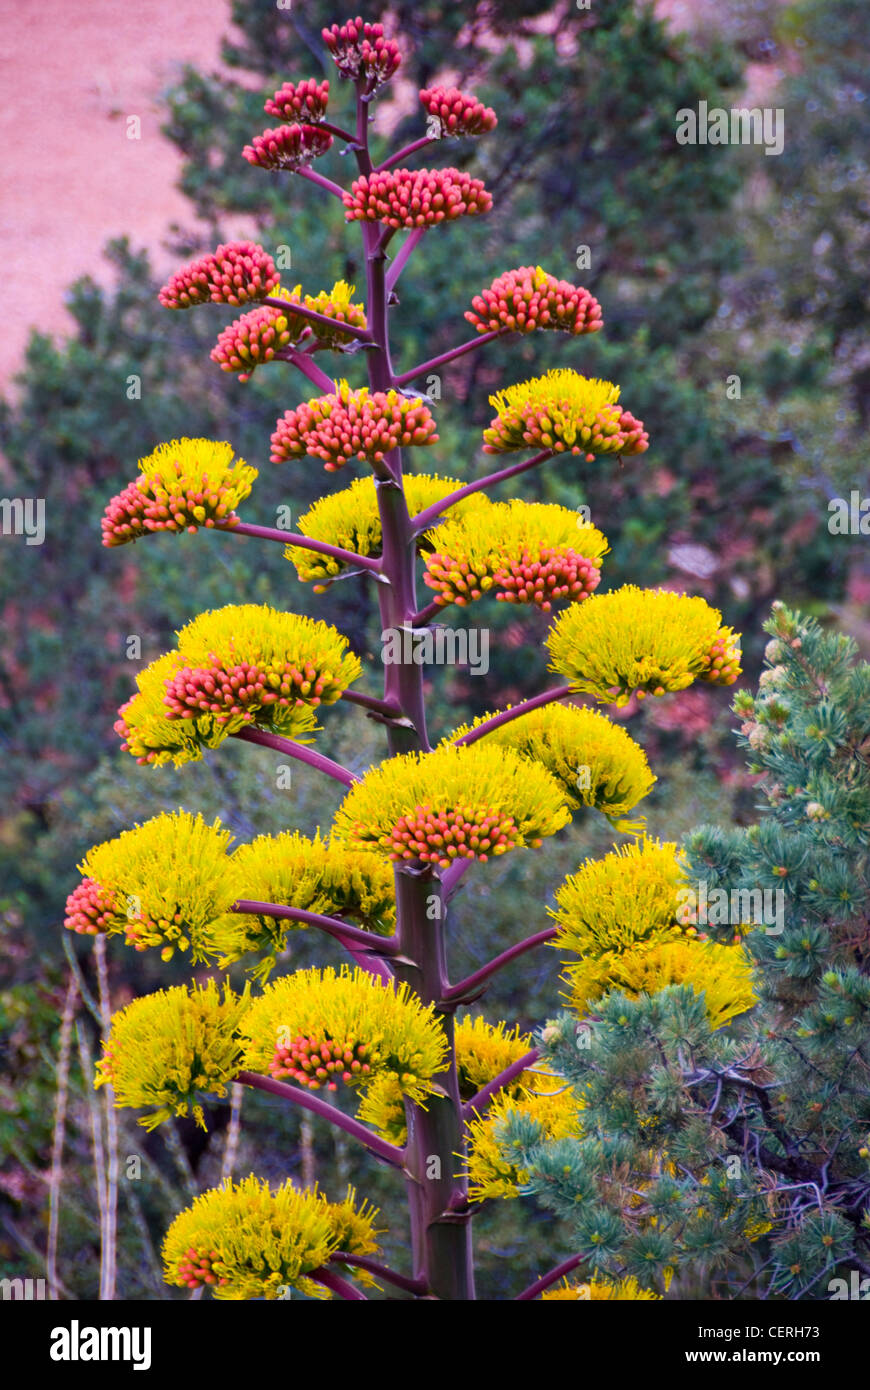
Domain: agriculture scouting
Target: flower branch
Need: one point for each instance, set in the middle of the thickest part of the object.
(303, 312)
(321, 180)
(547, 1280)
(298, 751)
(446, 357)
(411, 240)
(386, 1152)
(405, 152)
(389, 1276)
(333, 926)
(456, 993)
(547, 697)
(345, 1290)
(269, 533)
(423, 520)
(479, 1103)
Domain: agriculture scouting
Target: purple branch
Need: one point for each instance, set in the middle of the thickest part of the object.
(330, 1280)
(387, 708)
(479, 1103)
(548, 697)
(424, 519)
(411, 240)
(297, 750)
(454, 352)
(337, 131)
(478, 977)
(405, 151)
(540, 1285)
(389, 1276)
(388, 1153)
(289, 306)
(321, 181)
(424, 616)
(268, 533)
(309, 369)
(450, 877)
(333, 926)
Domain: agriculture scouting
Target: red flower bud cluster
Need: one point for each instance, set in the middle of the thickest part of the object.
(361, 50)
(235, 273)
(136, 512)
(90, 908)
(352, 424)
(457, 113)
(311, 1063)
(527, 299)
(305, 102)
(614, 431)
(253, 339)
(415, 197)
(244, 689)
(724, 659)
(439, 837)
(287, 147)
(554, 572)
(196, 1269)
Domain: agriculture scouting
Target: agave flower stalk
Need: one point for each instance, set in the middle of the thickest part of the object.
(433, 1092)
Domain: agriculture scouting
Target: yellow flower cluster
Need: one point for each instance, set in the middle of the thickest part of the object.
(619, 915)
(453, 803)
(317, 875)
(483, 1050)
(524, 552)
(722, 974)
(170, 1048)
(643, 641)
(244, 1241)
(350, 519)
(595, 761)
(181, 486)
(384, 1026)
(565, 412)
(599, 1290)
(166, 883)
(235, 666)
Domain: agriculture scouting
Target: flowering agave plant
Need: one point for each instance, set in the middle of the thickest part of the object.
(432, 1092)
